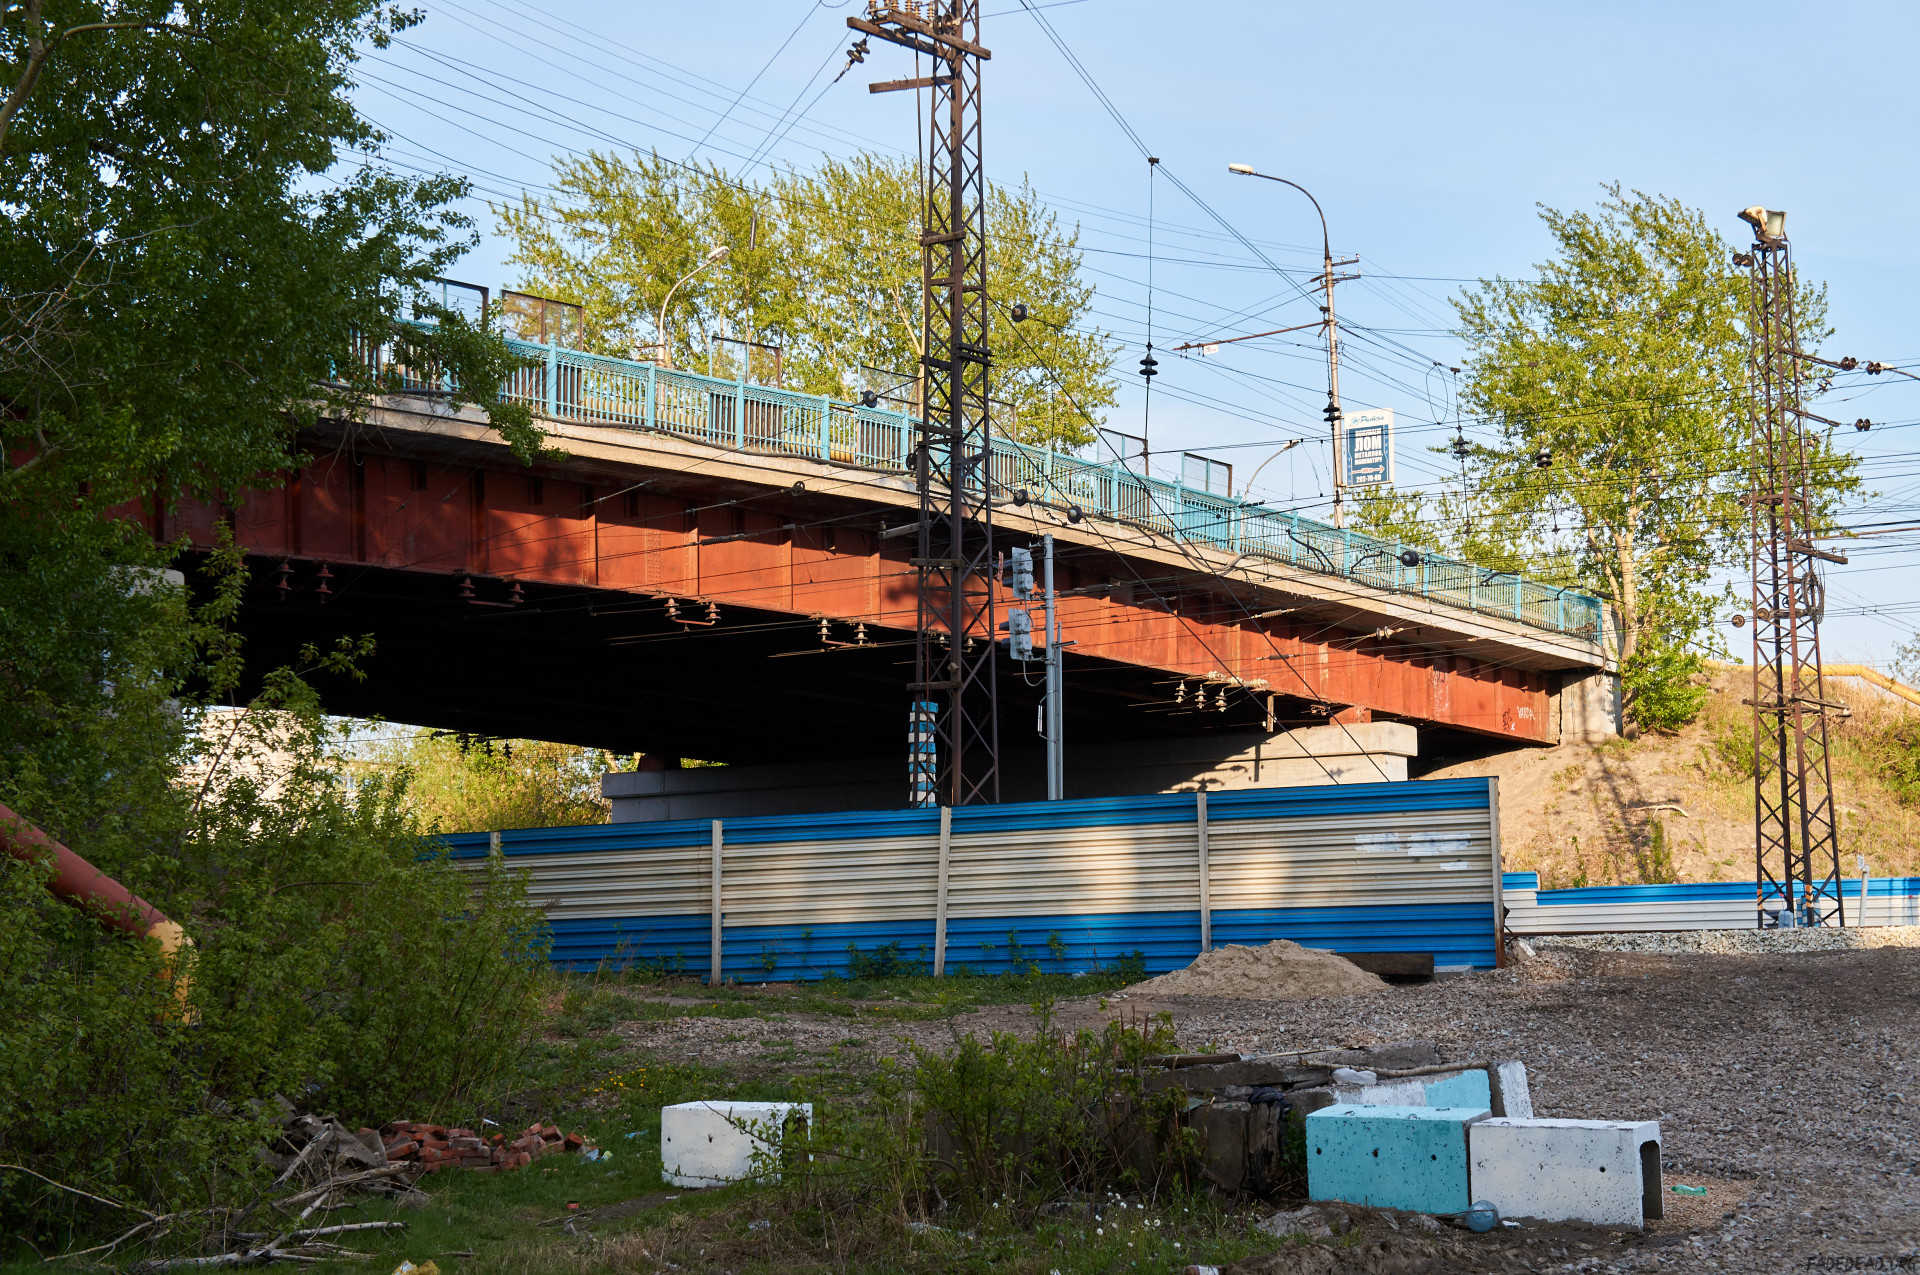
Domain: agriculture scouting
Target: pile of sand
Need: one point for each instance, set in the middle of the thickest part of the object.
(1279, 971)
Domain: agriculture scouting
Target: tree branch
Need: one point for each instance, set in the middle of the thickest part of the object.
(39, 50)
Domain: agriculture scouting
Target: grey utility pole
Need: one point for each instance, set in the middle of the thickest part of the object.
(1055, 708)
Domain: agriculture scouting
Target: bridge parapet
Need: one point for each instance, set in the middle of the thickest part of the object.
(575, 386)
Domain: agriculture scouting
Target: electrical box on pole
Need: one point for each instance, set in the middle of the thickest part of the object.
(1019, 627)
(1020, 573)
(1796, 833)
(954, 631)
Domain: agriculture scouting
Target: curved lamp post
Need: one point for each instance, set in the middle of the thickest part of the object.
(1333, 329)
(666, 338)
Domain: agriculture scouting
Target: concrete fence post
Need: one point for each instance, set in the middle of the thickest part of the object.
(940, 897)
(713, 969)
(1206, 899)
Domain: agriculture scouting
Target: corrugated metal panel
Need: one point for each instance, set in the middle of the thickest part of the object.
(1440, 857)
(1068, 885)
(1700, 905)
(812, 883)
(783, 953)
(1005, 871)
(1456, 933)
(659, 881)
(671, 943)
(987, 945)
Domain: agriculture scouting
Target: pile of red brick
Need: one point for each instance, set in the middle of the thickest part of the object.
(435, 1147)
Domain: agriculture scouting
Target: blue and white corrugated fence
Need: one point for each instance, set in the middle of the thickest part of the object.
(1068, 885)
(1703, 905)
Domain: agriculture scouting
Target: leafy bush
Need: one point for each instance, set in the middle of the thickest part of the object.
(337, 959)
(1006, 1123)
(1662, 686)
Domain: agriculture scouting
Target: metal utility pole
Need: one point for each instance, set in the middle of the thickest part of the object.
(1796, 836)
(1055, 715)
(954, 630)
(1327, 279)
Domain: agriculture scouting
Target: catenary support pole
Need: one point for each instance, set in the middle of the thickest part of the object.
(1056, 707)
(713, 969)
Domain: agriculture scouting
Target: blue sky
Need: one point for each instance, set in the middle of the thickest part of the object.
(1428, 134)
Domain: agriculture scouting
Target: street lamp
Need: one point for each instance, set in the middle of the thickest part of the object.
(1333, 330)
(666, 338)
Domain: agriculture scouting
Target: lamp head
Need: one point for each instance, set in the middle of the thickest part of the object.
(719, 251)
(1245, 170)
(1767, 223)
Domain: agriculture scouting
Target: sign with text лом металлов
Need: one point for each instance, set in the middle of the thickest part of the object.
(1366, 448)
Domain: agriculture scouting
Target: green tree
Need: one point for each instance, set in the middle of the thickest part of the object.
(825, 264)
(198, 248)
(453, 784)
(1614, 381)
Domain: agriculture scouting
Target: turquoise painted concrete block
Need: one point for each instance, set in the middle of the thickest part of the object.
(1412, 1158)
(1466, 1089)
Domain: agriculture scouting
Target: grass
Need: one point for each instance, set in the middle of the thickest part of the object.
(600, 1001)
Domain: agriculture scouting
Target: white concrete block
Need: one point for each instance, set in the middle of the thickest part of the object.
(712, 1143)
(1510, 1096)
(1387, 1093)
(1606, 1172)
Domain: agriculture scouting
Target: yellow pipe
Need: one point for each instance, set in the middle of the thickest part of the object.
(1865, 672)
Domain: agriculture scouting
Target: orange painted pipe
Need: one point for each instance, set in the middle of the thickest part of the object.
(91, 890)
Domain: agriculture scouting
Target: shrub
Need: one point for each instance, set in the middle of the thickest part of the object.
(338, 960)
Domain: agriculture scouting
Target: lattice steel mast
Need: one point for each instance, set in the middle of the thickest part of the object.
(954, 647)
(1796, 836)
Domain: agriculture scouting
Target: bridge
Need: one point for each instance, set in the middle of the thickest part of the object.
(705, 570)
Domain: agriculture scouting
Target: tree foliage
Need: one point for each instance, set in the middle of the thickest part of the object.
(1614, 383)
(456, 784)
(825, 264)
(180, 290)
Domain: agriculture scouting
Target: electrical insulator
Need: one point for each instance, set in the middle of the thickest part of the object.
(1022, 573)
(1410, 557)
(1459, 446)
(1019, 312)
(1543, 458)
(1332, 412)
(1863, 424)
(1019, 626)
(1149, 365)
(869, 399)
(1180, 694)
(1222, 698)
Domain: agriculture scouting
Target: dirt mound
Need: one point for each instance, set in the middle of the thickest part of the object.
(1280, 971)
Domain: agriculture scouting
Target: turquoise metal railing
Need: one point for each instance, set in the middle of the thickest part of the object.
(570, 385)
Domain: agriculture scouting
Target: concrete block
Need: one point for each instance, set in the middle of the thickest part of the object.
(1412, 1158)
(1606, 1172)
(1460, 1089)
(713, 1143)
(1465, 1088)
(1386, 1093)
(1510, 1095)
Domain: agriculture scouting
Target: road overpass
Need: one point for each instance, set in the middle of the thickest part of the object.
(701, 569)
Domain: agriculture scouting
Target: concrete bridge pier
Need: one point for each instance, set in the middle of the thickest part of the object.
(1364, 752)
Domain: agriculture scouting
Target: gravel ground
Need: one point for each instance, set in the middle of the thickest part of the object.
(1785, 1081)
(1751, 942)
(1786, 1084)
